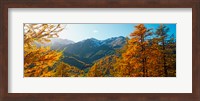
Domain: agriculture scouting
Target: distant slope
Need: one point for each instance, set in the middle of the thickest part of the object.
(56, 43)
(115, 42)
(75, 62)
(84, 53)
(89, 51)
(94, 49)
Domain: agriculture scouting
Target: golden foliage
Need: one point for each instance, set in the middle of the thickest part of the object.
(144, 57)
(141, 56)
(37, 60)
(103, 67)
(65, 70)
(133, 60)
(41, 32)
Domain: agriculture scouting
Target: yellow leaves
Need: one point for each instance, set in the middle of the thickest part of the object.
(64, 70)
(40, 32)
(41, 54)
(39, 58)
(103, 67)
(139, 31)
(141, 57)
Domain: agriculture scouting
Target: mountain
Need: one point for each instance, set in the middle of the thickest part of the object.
(75, 62)
(88, 50)
(84, 53)
(115, 42)
(56, 43)
(60, 42)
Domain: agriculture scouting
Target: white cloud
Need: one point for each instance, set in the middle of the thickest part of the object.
(95, 31)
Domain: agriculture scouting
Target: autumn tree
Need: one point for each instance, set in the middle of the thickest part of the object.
(103, 67)
(145, 54)
(37, 60)
(133, 61)
(65, 70)
(154, 63)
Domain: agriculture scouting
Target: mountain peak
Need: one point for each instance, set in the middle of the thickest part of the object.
(57, 43)
(91, 39)
(90, 50)
(115, 42)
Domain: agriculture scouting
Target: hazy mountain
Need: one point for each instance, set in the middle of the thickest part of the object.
(57, 43)
(115, 42)
(61, 41)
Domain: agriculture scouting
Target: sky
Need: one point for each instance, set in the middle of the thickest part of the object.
(79, 32)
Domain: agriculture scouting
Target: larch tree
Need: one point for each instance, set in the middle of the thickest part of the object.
(133, 61)
(65, 70)
(38, 59)
(153, 60)
(103, 67)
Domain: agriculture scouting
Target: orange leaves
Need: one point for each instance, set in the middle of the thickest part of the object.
(133, 57)
(103, 67)
(65, 70)
(40, 58)
(142, 57)
(37, 60)
(41, 32)
(139, 31)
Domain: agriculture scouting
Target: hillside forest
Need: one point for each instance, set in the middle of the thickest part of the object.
(146, 52)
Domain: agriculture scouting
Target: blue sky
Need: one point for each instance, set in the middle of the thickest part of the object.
(79, 32)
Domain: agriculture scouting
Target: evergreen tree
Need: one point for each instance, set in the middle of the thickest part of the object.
(161, 33)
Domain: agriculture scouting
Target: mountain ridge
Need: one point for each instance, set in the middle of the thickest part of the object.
(84, 53)
(91, 50)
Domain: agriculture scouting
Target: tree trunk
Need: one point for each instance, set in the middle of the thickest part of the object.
(164, 59)
(146, 74)
(144, 69)
(143, 60)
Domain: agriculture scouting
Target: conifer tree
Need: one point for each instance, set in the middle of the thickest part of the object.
(161, 33)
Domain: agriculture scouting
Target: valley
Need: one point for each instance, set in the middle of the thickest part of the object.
(83, 54)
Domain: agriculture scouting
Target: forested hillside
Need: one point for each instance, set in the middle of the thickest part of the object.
(145, 53)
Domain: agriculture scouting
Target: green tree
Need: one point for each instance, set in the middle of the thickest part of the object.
(161, 33)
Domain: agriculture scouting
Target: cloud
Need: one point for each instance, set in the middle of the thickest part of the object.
(95, 31)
